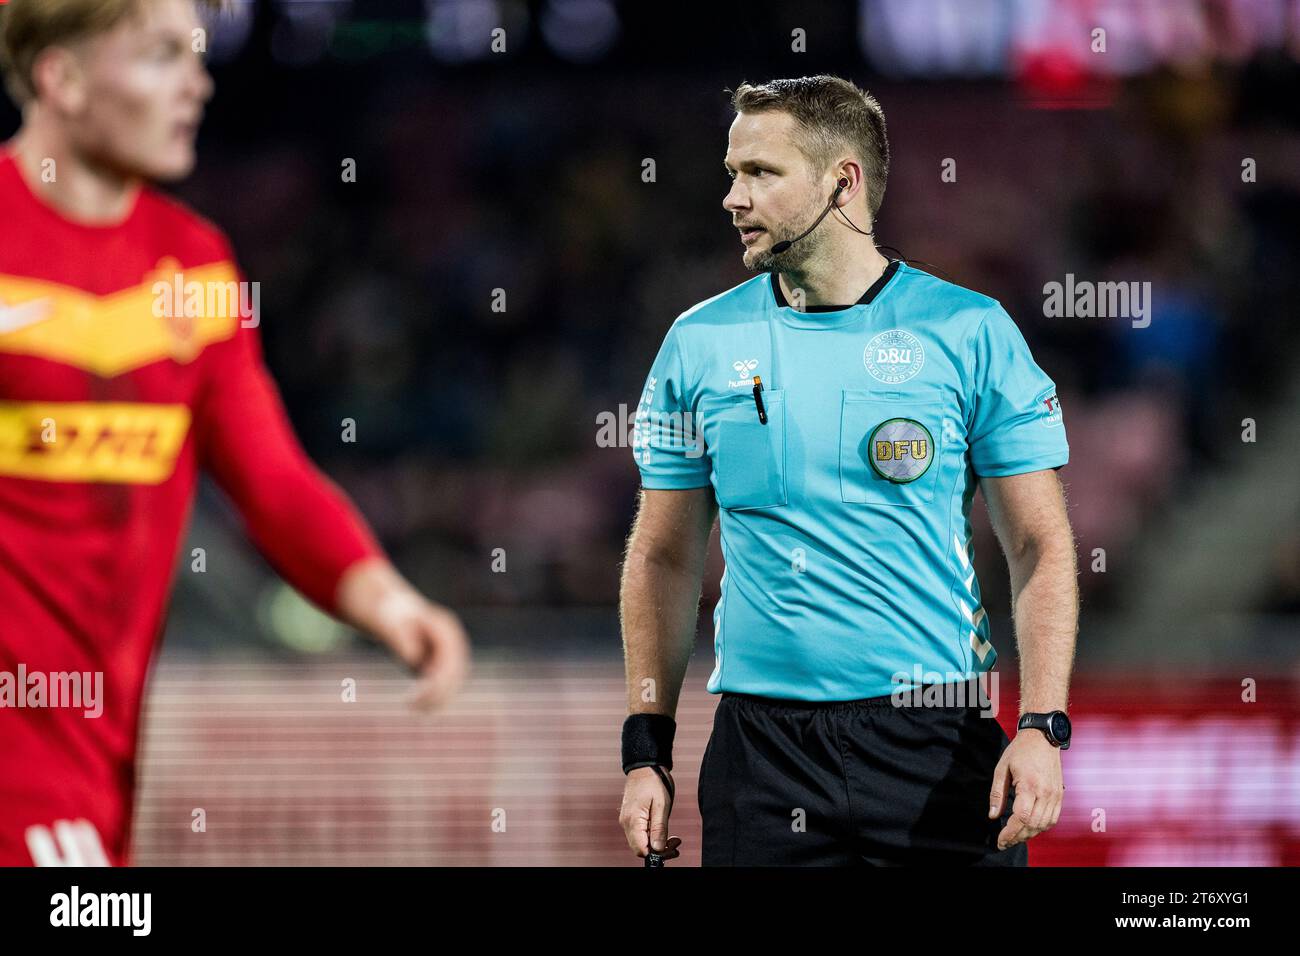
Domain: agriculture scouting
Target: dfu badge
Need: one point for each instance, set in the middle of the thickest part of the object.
(901, 450)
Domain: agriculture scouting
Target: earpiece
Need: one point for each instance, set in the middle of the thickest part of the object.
(840, 186)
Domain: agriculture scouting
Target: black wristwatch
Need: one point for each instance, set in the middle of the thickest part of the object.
(1055, 725)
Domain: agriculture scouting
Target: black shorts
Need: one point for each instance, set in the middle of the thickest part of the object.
(789, 783)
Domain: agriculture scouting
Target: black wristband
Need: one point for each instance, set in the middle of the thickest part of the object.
(648, 741)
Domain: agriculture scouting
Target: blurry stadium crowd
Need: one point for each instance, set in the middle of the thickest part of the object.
(477, 429)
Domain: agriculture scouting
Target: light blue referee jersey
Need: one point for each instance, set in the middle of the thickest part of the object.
(845, 519)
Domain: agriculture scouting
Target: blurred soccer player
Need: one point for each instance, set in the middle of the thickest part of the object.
(108, 409)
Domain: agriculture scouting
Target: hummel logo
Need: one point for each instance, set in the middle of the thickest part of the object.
(15, 317)
(744, 368)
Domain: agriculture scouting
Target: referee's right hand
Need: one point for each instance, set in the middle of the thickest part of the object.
(644, 816)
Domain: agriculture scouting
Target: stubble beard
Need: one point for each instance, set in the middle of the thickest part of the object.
(794, 258)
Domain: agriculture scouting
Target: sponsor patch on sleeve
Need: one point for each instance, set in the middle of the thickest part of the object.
(1049, 409)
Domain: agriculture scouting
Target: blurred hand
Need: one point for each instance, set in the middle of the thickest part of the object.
(429, 638)
(644, 815)
(1032, 765)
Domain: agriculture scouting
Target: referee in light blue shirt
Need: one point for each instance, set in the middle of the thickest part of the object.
(837, 411)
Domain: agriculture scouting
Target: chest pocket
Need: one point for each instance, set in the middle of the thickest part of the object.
(748, 456)
(891, 444)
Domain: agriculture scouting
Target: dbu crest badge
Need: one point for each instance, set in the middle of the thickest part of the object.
(893, 357)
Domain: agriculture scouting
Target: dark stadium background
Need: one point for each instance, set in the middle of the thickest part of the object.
(478, 430)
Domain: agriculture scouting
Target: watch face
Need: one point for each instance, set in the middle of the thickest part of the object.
(1060, 727)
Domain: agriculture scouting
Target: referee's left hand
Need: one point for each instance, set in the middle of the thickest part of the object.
(1032, 765)
(644, 815)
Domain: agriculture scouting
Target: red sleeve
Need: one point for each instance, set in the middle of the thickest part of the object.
(299, 519)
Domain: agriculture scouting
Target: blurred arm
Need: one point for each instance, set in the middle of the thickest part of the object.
(660, 593)
(1029, 516)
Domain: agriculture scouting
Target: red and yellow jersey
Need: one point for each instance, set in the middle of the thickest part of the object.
(112, 396)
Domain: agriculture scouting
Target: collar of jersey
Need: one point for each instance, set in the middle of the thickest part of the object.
(828, 317)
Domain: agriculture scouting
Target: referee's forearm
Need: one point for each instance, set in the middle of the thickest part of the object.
(1045, 605)
(658, 605)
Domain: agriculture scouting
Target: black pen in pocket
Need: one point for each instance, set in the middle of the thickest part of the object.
(758, 400)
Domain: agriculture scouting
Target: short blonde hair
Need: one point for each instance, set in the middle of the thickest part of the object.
(832, 114)
(29, 26)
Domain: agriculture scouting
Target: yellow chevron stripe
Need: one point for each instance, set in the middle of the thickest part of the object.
(121, 442)
(113, 334)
